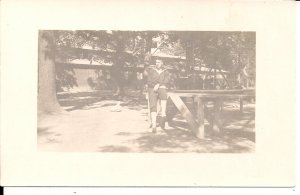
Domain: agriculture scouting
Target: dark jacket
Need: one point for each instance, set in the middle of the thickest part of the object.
(155, 76)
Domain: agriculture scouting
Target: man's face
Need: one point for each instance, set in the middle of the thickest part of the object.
(159, 63)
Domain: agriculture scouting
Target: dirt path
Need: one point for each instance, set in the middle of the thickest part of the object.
(94, 128)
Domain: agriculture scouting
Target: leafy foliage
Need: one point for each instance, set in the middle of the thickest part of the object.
(231, 51)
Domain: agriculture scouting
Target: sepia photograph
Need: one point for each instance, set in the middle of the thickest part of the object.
(146, 91)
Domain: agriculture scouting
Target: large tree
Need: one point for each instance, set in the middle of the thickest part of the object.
(47, 101)
(118, 62)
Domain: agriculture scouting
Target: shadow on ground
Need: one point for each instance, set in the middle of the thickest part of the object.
(97, 99)
(236, 136)
(179, 139)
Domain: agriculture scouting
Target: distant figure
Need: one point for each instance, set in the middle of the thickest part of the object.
(158, 79)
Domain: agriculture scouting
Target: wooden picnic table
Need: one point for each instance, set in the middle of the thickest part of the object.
(199, 97)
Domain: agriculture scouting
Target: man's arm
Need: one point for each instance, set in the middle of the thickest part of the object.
(165, 81)
(156, 87)
(152, 83)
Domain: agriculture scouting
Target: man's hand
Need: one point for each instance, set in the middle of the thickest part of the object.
(156, 87)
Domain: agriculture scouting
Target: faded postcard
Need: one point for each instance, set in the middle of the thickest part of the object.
(148, 94)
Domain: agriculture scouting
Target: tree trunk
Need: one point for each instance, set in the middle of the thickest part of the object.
(118, 72)
(47, 100)
(149, 37)
(190, 59)
(147, 59)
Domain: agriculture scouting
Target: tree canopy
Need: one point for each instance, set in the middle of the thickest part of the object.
(230, 51)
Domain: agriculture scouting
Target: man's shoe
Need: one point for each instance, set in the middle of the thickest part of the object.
(154, 130)
(163, 122)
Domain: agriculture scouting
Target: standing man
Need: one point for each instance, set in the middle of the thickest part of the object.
(158, 79)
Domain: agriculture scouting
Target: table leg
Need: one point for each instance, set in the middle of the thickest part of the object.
(200, 133)
(171, 111)
(216, 118)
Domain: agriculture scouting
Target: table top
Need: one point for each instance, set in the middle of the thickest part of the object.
(226, 91)
(214, 93)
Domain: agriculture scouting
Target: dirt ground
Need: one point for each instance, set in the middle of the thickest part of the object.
(89, 125)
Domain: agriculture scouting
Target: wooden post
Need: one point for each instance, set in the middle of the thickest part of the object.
(200, 132)
(216, 117)
(184, 111)
(171, 111)
(190, 54)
